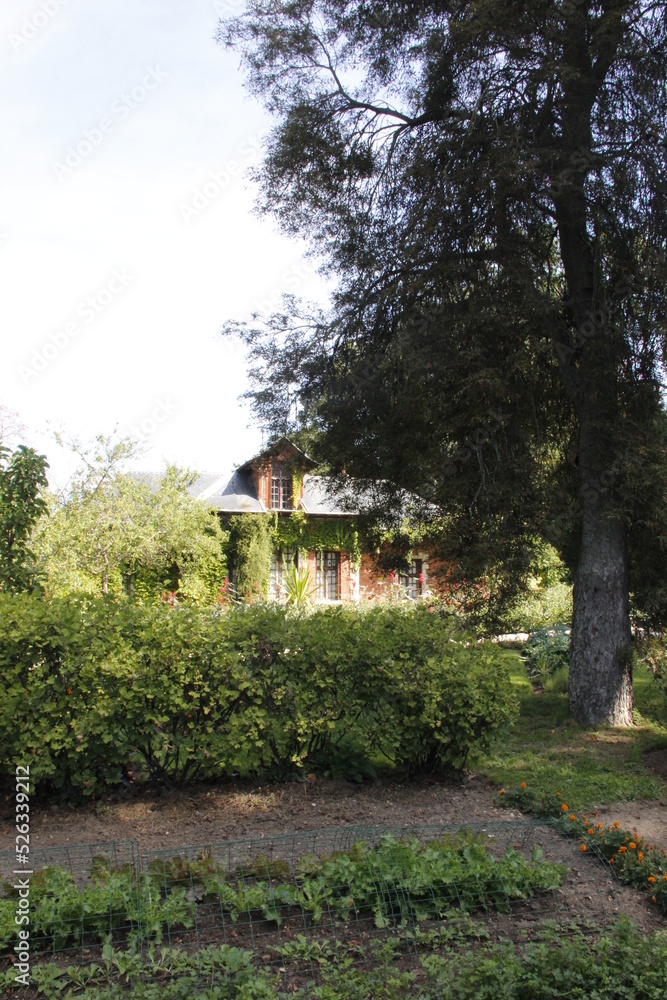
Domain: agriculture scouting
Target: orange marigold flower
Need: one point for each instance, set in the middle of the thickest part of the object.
(651, 878)
(664, 878)
(640, 856)
(582, 847)
(572, 816)
(591, 831)
(500, 792)
(558, 794)
(616, 825)
(653, 899)
(523, 784)
(632, 845)
(611, 860)
(622, 849)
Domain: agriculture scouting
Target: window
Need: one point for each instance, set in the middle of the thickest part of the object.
(281, 488)
(328, 576)
(281, 560)
(413, 579)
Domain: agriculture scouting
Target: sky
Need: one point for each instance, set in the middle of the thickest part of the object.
(127, 236)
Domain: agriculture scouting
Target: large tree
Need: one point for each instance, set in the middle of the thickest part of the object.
(485, 182)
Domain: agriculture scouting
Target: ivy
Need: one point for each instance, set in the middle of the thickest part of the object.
(250, 543)
(297, 482)
(317, 535)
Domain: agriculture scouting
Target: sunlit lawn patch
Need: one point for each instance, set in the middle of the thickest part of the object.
(547, 749)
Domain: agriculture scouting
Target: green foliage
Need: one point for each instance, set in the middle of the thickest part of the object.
(547, 653)
(115, 534)
(298, 586)
(250, 547)
(547, 597)
(398, 882)
(317, 534)
(539, 608)
(652, 652)
(621, 962)
(22, 480)
(474, 686)
(176, 694)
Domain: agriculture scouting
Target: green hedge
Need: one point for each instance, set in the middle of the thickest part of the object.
(179, 694)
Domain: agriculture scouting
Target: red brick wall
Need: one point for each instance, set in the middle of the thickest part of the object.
(372, 587)
(311, 563)
(261, 475)
(369, 585)
(345, 589)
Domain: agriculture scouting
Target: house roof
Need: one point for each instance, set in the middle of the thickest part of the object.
(238, 495)
(322, 495)
(280, 446)
(319, 497)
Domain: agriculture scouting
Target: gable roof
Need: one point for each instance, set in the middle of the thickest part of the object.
(280, 446)
(323, 496)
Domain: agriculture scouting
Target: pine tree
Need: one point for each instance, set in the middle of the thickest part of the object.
(486, 183)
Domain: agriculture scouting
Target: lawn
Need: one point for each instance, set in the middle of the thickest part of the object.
(596, 767)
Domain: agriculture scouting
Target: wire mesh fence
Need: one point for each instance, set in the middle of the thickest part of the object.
(291, 903)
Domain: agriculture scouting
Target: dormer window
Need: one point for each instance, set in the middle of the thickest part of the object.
(281, 488)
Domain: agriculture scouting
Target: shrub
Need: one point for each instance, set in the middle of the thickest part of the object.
(547, 654)
(250, 543)
(95, 689)
(540, 608)
(447, 708)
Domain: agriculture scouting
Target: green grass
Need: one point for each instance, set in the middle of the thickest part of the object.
(597, 767)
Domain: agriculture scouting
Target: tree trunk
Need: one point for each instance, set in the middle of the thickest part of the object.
(600, 663)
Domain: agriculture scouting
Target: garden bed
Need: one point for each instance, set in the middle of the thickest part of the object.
(499, 882)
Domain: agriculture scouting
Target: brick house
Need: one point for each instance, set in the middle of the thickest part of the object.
(280, 481)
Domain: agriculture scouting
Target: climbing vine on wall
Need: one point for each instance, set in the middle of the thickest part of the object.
(299, 532)
(297, 481)
(254, 537)
(250, 549)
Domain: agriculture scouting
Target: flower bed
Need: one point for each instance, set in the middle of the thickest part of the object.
(634, 861)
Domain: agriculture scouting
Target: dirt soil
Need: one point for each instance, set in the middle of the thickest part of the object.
(178, 819)
(590, 896)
